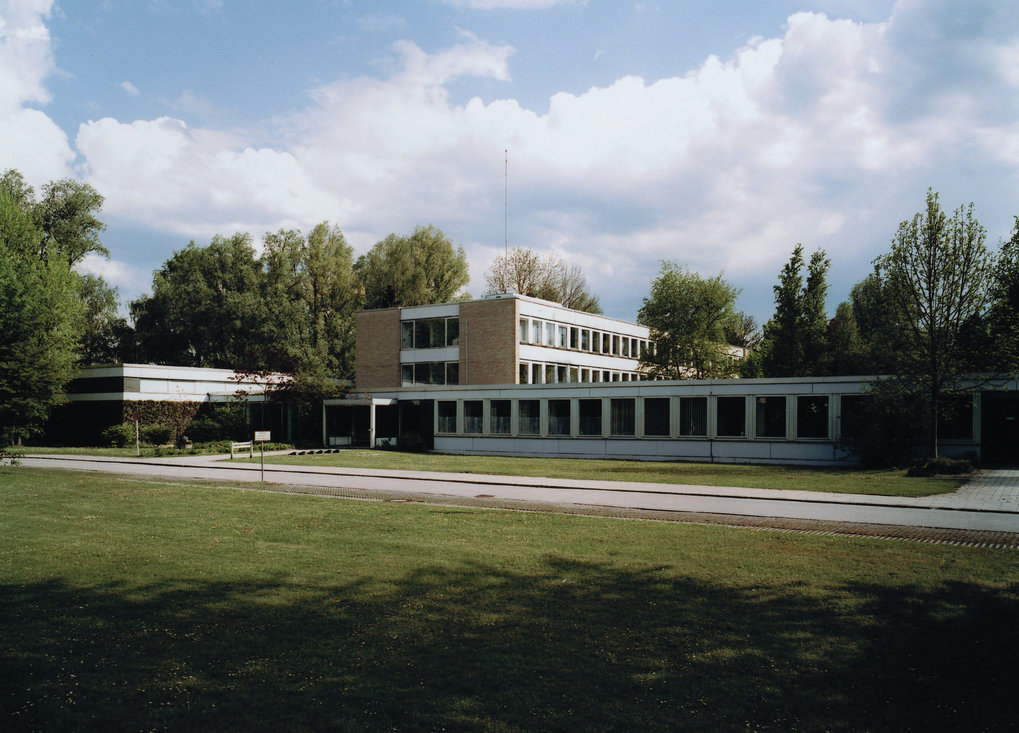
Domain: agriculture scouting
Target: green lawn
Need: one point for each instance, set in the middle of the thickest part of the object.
(847, 480)
(128, 604)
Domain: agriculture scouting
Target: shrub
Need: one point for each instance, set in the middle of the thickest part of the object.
(204, 429)
(942, 465)
(411, 442)
(118, 436)
(157, 434)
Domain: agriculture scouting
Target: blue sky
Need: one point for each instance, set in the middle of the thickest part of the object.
(717, 135)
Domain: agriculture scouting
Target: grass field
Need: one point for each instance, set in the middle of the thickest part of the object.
(848, 480)
(128, 604)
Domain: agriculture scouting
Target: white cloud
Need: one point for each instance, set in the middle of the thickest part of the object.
(121, 275)
(827, 135)
(512, 4)
(29, 140)
(130, 88)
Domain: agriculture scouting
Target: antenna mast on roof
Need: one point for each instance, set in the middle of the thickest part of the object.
(506, 200)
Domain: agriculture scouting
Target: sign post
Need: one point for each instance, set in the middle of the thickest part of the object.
(261, 436)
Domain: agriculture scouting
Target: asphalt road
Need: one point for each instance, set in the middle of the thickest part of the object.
(988, 507)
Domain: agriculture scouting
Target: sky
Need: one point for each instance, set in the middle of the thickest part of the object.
(714, 135)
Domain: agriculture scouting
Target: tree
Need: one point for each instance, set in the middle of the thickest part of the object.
(937, 271)
(843, 347)
(206, 308)
(1003, 314)
(687, 316)
(39, 325)
(794, 339)
(103, 329)
(523, 271)
(416, 270)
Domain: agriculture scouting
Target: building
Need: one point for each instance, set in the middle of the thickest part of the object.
(513, 375)
(104, 395)
(504, 339)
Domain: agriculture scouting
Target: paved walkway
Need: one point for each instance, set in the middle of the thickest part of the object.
(986, 508)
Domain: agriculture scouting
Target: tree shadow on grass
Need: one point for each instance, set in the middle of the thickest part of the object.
(571, 645)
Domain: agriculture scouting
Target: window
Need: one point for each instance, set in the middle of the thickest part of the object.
(585, 375)
(656, 416)
(407, 335)
(615, 345)
(549, 334)
(407, 374)
(524, 371)
(452, 332)
(574, 374)
(558, 417)
(731, 420)
(585, 340)
(956, 419)
(771, 417)
(430, 372)
(606, 344)
(693, 416)
(590, 417)
(622, 416)
(529, 417)
(854, 416)
(811, 416)
(574, 337)
(500, 417)
(561, 374)
(447, 416)
(535, 332)
(625, 346)
(473, 416)
(523, 329)
(535, 373)
(595, 375)
(452, 372)
(564, 337)
(550, 374)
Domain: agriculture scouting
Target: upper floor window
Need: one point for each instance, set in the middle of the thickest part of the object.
(429, 333)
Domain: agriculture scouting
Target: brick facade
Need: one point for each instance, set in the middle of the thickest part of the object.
(488, 342)
(377, 358)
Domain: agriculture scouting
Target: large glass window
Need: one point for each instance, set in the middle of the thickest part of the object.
(585, 340)
(626, 346)
(550, 374)
(574, 337)
(429, 333)
(452, 332)
(731, 417)
(549, 334)
(770, 421)
(447, 416)
(407, 374)
(535, 332)
(956, 419)
(523, 329)
(693, 416)
(452, 372)
(524, 370)
(853, 409)
(606, 344)
(535, 373)
(590, 417)
(561, 374)
(558, 417)
(529, 417)
(500, 417)
(473, 416)
(622, 414)
(656, 416)
(812, 416)
(407, 335)
(564, 337)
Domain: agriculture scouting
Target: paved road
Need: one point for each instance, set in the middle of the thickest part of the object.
(988, 504)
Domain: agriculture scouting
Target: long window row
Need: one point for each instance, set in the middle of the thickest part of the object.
(540, 373)
(797, 417)
(563, 336)
(430, 333)
(430, 372)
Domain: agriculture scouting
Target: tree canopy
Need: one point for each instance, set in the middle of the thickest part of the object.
(688, 316)
(416, 270)
(524, 271)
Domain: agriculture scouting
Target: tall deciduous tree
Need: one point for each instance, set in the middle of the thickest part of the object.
(40, 322)
(206, 308)
(104, 330)
(937, 269)
(1003, 314)
(526, 272)
(687, 316)
(794, 339)
(416, 270)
